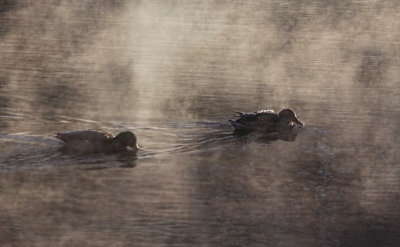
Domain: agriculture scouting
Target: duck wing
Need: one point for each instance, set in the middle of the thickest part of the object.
(84, 135)
(254, 114)
(261, 115)
(262, 119)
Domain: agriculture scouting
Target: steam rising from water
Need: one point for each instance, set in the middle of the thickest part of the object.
(148, 58)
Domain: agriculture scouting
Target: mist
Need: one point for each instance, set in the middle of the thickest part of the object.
(174, 72)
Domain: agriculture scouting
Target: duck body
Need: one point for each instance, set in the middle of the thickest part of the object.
(97, 141)
(266, 121)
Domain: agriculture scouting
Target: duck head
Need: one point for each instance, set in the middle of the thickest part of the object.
(127, 139)
(288, 116)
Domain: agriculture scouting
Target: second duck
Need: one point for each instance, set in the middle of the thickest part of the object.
(267, 121)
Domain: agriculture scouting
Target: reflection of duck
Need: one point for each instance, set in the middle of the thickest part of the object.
(97, 141)
(267, 121)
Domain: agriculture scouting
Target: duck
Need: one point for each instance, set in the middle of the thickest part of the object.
(97, 141)
(266, 121)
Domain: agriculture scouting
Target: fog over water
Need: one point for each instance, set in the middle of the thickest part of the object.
(174, 72)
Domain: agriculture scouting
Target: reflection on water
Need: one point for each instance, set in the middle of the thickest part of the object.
(174, 72)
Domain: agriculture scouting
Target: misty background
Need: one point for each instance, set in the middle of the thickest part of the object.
(173, 72)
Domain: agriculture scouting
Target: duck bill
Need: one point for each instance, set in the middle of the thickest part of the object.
(131, 148)
(134, 148)
(297, 123)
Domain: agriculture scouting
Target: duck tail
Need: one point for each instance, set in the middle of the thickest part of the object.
(240, 114)
(59, 136)
(236, 125)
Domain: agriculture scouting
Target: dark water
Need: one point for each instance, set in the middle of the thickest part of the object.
(173, 72)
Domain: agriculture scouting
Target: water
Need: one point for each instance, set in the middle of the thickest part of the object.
(174, 73)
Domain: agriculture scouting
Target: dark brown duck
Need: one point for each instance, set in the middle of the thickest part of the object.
(267, 121)
(97, 141)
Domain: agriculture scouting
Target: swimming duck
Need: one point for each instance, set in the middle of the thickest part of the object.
(97, 141)
(267, 121)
